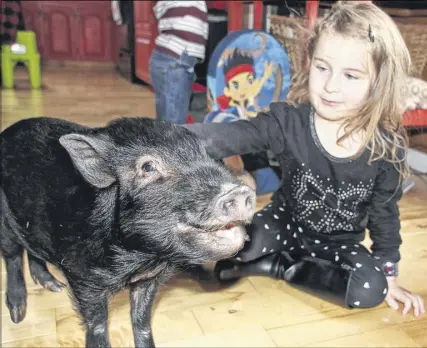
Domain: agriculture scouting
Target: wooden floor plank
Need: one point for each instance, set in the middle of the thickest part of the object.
(371, 339)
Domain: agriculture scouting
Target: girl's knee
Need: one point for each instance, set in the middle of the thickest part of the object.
(367, 289)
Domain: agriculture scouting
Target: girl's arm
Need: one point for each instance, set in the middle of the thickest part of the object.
(384, 221)
(384, 228)
(243, 136)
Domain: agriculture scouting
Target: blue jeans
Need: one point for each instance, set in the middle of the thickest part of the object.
(172, 80)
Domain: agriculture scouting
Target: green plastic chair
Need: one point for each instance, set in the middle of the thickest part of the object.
(31, 58)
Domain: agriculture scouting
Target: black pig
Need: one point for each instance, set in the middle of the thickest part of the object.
(113, 207)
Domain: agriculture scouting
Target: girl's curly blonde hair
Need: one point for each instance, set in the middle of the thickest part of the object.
(381, 118)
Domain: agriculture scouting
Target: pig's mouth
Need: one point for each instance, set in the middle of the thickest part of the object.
(233, 232)
(219, 240)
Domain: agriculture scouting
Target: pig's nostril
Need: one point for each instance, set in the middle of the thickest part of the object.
(229, 204)
(237, 203)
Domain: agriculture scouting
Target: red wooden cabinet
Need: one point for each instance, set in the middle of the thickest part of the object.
(72, 30)
(59, 31)
(145, 35)
(95, 33)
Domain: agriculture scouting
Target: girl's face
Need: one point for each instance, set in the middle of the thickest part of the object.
(341, 72)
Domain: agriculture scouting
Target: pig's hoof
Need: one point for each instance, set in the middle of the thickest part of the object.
(45, 279)
(226, 272)
(17, 311)
(53, 285)
(17, 314)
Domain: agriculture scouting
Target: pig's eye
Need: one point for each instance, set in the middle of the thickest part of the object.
(148, 167)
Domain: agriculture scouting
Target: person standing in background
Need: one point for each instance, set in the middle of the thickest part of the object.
(181, 43)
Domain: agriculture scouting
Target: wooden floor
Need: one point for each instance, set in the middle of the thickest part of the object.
(256, 312)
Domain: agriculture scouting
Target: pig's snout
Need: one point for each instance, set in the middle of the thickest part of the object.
(237, 204)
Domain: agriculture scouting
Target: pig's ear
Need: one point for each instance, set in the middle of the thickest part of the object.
(87, 153)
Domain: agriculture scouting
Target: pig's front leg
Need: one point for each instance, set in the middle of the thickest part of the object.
(142, 296)
(92, 304)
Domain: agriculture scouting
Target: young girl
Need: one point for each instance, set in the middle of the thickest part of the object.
(341, 146)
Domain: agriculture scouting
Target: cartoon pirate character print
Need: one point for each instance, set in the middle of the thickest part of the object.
(241, 84)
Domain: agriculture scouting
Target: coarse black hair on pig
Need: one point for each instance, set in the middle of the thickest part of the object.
(114, 207)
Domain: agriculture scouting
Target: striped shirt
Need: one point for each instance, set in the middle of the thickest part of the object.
(183, 27)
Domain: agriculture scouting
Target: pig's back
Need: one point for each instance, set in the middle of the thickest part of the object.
(40, 182)
(31, 152)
